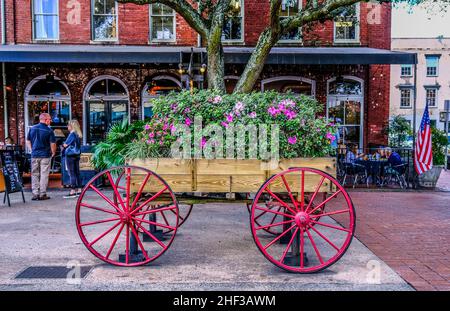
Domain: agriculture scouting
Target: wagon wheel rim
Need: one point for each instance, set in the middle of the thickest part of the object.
(312, 241)
(184, 210)
(108, 222)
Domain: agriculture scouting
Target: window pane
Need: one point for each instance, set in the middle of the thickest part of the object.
(104, 27)
(118, 112)
(45, 6)
(59, 111)
(345, 24)
(157, 9)
(115, 88)
(289, 7)
(99, 6)
(110, 7)
(46, 27)
(44, 88)
(349, 87)
(232, 29)
(162, 28)
(352, 112)
(336, 112)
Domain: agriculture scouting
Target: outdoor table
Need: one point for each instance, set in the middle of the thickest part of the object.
(375, 168)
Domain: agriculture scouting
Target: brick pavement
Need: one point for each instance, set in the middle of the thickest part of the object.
(444, 181)
(410, 231)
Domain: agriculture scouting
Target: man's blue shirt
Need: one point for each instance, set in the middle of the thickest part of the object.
(395, 159)
(41, 136)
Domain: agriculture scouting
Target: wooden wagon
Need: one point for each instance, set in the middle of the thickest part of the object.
(301, 218)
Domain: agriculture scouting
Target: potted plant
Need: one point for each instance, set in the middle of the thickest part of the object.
(439, 140)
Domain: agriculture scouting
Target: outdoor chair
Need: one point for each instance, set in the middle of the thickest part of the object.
(357, 172)
(395, 174)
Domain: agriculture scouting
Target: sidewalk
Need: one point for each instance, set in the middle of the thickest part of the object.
(410, 231)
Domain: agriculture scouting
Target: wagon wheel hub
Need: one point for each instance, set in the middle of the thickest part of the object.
(302, 219)
(125, 217)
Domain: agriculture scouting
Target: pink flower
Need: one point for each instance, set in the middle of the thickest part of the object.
(160, 142)
(217, 99)
(187, 121)
(203, 142)
(330, 136)
(292, 140)
(151, 135)
(229, 117)
(187, 110)
(147, 127)
(252, 115)
(290, 114)
(224, 124)
(165, 126)
(238, 108)
(172, 129)
(272, 111)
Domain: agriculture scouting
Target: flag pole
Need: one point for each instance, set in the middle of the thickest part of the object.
(414, 119)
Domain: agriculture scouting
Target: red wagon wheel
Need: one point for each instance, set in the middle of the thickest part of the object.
(280, 209)
(184, 210)
(117, 226)
(308, 239)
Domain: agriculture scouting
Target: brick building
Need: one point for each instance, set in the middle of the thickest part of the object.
(99, 61)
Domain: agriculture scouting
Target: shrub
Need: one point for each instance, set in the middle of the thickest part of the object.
(439, 140)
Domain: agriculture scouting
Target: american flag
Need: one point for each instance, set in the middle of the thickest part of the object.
(423, 156)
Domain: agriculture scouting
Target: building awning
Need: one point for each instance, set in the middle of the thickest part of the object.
(110, 54)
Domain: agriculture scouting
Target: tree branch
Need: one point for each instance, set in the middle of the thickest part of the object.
(182, 7)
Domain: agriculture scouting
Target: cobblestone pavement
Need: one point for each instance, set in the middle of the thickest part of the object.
(410, 231)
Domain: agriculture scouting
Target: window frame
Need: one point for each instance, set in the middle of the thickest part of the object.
(150, 11)
(241, 40)
(426, 65)
(299, 40)
(410, 71)
(411, 91)
(116, 9)
(357, 29)
(436, 90)
(33, 22)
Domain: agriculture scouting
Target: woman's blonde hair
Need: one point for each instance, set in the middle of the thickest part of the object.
(76, 127)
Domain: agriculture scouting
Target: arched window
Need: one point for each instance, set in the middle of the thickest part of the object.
(294, 84)
(159, 85)
(50, 95)
(345, 107)
(106, 101)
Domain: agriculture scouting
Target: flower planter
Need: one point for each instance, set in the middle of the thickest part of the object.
(430, 178)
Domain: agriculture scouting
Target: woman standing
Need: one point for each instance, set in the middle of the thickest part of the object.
(71, 153)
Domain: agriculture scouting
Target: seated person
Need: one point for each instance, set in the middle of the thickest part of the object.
(9, 141)
(352, 154)
(378, 154)
(393, 157)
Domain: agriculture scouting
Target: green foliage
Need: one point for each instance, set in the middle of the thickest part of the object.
(439, 141)
(302, 132)
(398, 131)
(111, 151)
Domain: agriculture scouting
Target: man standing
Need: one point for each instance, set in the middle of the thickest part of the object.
(42, 143)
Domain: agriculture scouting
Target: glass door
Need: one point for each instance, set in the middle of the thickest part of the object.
(347, 114)
(101, 115)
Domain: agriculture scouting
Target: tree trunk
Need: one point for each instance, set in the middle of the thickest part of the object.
(256, 62)
(216, 72)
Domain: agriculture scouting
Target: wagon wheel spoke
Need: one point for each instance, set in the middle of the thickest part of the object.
(150, 199)
(105, 198)
(302, 248)
(314, 245)
(331, 213)
(325, 201)
(152, 223)
(179, 216)
(281, 201)
(270, 207)
(105, 233)
(127, 244)
(274, 212)
(154, 210)
(141, 188)
(128, 192)
(151, 236)
(115, 187)
(289, 245)
(97, 222)
(278, 237)
(289, 192)
(274, 225)
(325, 238)
(315, 193)
(136, 236)
(113, 244)
(275, 216)
(302, 192)
(330, 226)
(164, 218)
(99, 209)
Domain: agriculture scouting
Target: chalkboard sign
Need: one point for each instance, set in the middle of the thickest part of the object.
(13, 181)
